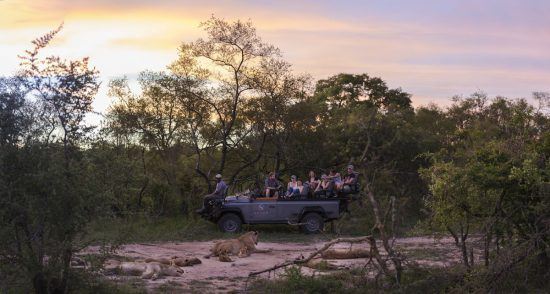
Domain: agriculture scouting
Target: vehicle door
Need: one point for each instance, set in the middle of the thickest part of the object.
(263, 211)
(289, 211)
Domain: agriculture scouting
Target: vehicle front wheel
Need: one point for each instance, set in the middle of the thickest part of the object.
(230, 223)
(312, 223)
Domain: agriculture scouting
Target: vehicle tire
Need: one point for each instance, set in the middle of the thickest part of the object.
(313, 223)
(230, 223)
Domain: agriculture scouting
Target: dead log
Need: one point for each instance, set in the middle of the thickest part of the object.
(346, 254)
(303, 261)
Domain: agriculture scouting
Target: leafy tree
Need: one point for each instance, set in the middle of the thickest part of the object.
(161, 118)
(47, 197)
(230, 58)
(13, 120)
(490, 177)
(223, 100)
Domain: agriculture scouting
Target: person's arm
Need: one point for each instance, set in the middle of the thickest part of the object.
(354, 179)
(220, 188)
(217, 190)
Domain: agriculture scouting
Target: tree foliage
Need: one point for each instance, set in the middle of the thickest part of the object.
(230, 103)
(491, 177)
(46, 190)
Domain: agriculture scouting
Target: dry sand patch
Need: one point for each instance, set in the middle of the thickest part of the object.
(215, 276)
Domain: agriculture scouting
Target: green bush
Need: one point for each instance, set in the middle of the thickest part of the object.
(294, 281)
(415, 280)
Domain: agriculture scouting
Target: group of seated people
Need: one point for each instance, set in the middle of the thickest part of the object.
(329, 185)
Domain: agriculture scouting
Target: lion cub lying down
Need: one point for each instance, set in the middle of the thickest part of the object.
(242, 246)
(147, 270)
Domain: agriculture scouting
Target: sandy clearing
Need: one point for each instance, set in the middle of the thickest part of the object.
(215, 276)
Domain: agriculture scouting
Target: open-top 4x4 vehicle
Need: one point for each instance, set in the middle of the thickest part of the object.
(309, 213)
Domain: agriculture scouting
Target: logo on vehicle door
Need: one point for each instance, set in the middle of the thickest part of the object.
(259, 210)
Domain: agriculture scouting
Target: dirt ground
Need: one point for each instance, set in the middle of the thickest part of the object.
(213, 276)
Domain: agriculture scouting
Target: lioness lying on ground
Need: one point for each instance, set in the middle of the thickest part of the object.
(242, 246)
(147, 270)
(175, 260)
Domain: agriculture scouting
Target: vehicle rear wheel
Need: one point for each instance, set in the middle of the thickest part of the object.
(313, 223)
(230, 223)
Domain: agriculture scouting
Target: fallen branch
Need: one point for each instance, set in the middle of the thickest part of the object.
(312, 255)
(346, 254)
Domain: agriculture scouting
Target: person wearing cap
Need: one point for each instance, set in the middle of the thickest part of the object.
(219, 193)
(350, 181)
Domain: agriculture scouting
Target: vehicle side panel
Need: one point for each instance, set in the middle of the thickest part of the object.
(258, 212)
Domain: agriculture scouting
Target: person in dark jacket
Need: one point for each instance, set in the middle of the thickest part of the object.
(350, 181)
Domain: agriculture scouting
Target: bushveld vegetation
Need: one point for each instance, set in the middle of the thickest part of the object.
(231, 104)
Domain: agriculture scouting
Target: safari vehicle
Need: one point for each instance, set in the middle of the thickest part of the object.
(309, 213)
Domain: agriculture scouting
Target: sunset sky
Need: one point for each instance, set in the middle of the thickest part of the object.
(433, 49)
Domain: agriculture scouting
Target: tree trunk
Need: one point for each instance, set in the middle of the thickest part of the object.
(486, 249)
(184, 202)
(464, 250)
(39, 283)
(392, 254)
(145, 181)
(223, 156)
(277, 161)
(63, 287)
(460, 242)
